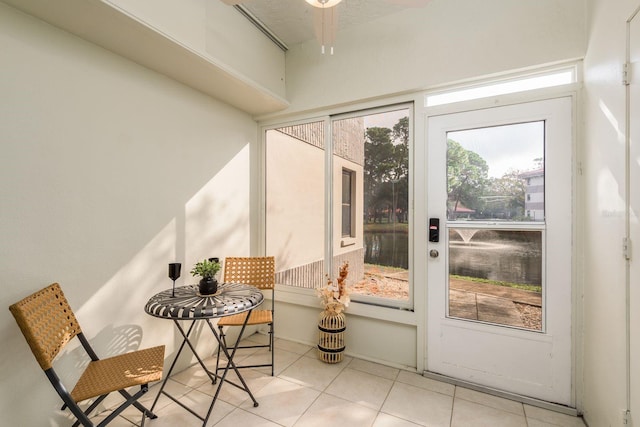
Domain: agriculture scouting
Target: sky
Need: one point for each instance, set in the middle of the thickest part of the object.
(385, 120)
(505, 147)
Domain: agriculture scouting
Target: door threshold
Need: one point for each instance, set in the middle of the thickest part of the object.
(504, 394)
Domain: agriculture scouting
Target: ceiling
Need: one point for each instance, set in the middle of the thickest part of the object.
(291, 21)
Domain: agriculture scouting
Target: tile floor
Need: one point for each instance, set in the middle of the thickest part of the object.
(307, 392)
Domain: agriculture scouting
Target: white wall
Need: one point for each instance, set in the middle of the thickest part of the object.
(216, 31)
(603, 187)
(108, 172)
(446, 41)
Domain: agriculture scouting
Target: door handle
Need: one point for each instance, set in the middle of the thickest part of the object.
(433, 253)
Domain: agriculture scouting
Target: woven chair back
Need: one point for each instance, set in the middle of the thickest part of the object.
(255, 271)
(47, 322)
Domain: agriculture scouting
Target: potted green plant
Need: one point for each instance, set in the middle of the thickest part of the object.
(207, 270)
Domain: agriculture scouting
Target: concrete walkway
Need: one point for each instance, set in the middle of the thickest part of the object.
(467, 300)
(489, 303)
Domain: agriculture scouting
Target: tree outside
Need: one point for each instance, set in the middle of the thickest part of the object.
(472, 194)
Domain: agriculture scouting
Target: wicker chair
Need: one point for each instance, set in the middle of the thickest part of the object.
(258, 272)
(48, 324)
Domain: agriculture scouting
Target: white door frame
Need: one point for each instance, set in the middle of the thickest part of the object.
(632, 225)
(557, 338)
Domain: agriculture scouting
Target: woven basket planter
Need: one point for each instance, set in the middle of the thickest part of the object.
(331, 328)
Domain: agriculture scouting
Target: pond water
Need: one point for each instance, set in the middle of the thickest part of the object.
(389, 249)
(502, 255)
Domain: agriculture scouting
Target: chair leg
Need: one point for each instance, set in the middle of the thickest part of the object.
(222, 338)
(69, 403)
(272, 348)
(139, 405)
(130, 401)
(90, 409)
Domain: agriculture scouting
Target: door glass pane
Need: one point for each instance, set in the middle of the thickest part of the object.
(295, 188)
(376, 148)
(495, 276)
(496, 173)
(495, 183)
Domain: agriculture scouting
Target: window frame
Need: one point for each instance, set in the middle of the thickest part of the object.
(396, 310)
(379, 301)
(350, 204)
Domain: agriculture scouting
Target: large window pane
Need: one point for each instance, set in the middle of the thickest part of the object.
(495, 215)
(295, 212)
(369, 211)
(379, 253)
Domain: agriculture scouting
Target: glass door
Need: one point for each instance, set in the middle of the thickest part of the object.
(499, 198)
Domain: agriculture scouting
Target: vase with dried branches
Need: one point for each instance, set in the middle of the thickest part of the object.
(332, 325)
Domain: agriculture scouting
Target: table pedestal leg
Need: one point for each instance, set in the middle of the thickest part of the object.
(213, 376)
(230, 362)
(173, 364)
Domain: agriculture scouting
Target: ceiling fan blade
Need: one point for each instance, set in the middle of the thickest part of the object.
(231, 2)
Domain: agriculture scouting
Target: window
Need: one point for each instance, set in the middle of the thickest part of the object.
(367, 155)
(379, 257)
(521, 84)
(295, 202)
(347, 203)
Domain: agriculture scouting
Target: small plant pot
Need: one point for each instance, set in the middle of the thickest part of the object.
(208, 286)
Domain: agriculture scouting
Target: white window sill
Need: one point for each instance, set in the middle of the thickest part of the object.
(307, 298)
(347, 241)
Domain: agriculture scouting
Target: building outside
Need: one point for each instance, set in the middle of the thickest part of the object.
(534, 194)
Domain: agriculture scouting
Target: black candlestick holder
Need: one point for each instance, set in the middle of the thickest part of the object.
(174, 274)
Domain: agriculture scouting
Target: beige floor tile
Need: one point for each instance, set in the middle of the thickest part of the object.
(466, 413)
(119, 421)
(174, 388)
(282, 401)
(331, 411)
(313, 353)
(194, 376)
(283, 359)
(552, 417)
(241, 418)
(311, 372)
(531, 422)
(292, 347)
(374, 368)
(489, 400)
(418, 380)
(360, 387)
(308, 392)
(386, 420)
(174, 415)
(241, 353)
(256, 338)
(233, 395)
(415, 404)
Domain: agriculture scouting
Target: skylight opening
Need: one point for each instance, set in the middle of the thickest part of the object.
(555, 78)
